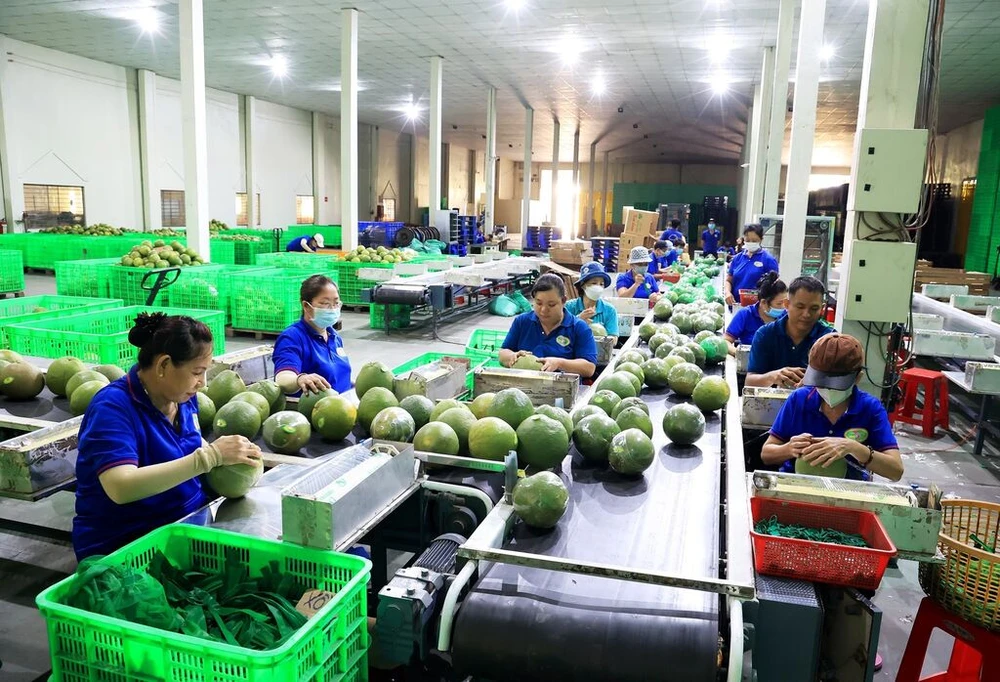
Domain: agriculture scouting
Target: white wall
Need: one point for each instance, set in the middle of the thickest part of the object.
(68, 123)
(422, 183)
(394, 168)
(329, 211)
(958, 154)
(282, 142)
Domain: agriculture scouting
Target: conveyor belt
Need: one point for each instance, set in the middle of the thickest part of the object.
(528, 624)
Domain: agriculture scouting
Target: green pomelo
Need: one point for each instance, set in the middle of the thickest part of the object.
(619, 383)
(637, 403)
(492, 438)
(669, 329)
(461, 420)
(592, 436)
(21, 381)
(663, 310)
(559, 414)
(10, 356)
(60, 372)
(540, 500)
(445, 405)
(598, 330)
(684, 377)
(334, 417)
(665, 349)
(657, 372)
(393, 423)
(226, 385)
(481, 405)
(237, 419)
(658, 339)
(702, 335)
(646, 331)
(633, 355)
(272, 393)
(606, 400)
(112, 372)
(541, 442)
(511, 405)
(206, 412)
(711, 393)
(585, 411)
(635, 370)
(84, 394)
(837, 468)
(374, 401)
(308, 401)
(699, 353)
(286, 432)
(631, 452)
(685, 353)
(419, 407)
(436, 437)
(235, 480)
(634, 418)
(684, 424)
(672, 361)
(528, 362)
(716, 349)
(80, 378)
(257, 400)
(684, 322)
(371, 375)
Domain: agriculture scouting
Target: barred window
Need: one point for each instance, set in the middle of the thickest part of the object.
(172, 211)
(241, 209)
(304, 209)
(50, 205)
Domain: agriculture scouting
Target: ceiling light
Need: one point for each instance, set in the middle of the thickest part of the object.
(514, 5)
(148, 20)
(569, 50)
(412, 112)
(279, 65)
(827, 52)
(720, 85)
(598, 86)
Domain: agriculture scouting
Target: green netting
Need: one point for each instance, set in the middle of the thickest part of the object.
(771, 526)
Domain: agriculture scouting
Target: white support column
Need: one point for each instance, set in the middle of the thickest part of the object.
(793, 231)
(374, 186)
(760, 125)
(529, 122)
(349, 129)
(437, 69)
(147, 149)
(553, 208)
(413, 178)
(602, 221)
(750, 152)
(6, 180)
(590, 194)
(194, 127)
(779, 102)
(319, 165)
(491, 159)
(250, 185)
(576, 183)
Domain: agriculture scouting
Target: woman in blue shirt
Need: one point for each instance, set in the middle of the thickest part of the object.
(309, 356)
(140, 447)
(591, 287)
(772, 298)
(636, 282)
(749, 264)
(560, 340)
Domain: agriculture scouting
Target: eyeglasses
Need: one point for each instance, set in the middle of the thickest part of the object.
(324, 307)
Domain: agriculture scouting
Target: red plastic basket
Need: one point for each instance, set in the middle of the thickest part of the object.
(821, 562)
(748, 297)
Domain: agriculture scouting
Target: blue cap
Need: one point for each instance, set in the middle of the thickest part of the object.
(594, 269)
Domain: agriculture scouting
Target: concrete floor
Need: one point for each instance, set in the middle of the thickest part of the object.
(29, 564)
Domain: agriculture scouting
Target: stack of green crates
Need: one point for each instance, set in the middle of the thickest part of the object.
(399, 316)
(475, 363)
(984, 223)
(100, 337)
(296, 259)
(222, 251)
(208, 287)
(11, 271)
(47, 307)
(85, 277)
(126, 282)
(267, 300)
(247, 252)
(485, 343)
(351, 285)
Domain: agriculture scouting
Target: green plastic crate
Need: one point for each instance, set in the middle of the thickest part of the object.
(351, 285)
(267, 300)
(246, 253)
(206, 288)
(101, 337)
(126, 282)
(295, 259)
(331, 647)
(427, 358)
(222, 252)
(85, 277)
(11, 271)
(485, 343)
(41, 251)
(399, 316)
(40, 308)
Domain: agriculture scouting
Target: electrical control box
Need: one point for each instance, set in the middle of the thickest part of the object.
(890, 172)
(879, 280)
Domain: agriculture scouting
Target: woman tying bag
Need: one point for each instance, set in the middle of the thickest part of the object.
(589, 307)
(772, 297)
(140, 446)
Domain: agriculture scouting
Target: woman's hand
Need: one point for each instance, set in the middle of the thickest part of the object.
(587, 314)
(729, 298)
(237, 450)
(311, 383)
(653, 298)
(825, 451)
(798, 444)
(552, 364)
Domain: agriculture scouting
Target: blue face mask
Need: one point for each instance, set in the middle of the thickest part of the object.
(325, 317)
(774, 312)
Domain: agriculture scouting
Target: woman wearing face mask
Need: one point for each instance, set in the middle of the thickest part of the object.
(830, 418)
(772, 298)
(591, 287)
(309, 356)
(749, 264)
(637, 282)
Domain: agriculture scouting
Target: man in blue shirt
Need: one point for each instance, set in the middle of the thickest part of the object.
(637, 282)
(673, 233)
(830, 419)
(710, 239)
(663, 256)
(780, 350)
(306, 244)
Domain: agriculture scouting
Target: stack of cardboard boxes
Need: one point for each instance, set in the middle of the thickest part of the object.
(640, 230)
(571, 252)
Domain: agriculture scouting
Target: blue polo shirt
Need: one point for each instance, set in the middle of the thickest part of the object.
(710, 241)
(648, 286)
(864, 421)
(302, 349)
(661, 263)
(572, 339)
(746, 270)
(604, 314)
(672, 234)
(773, 349)
(745, 324)
(297, 244)
(120, 427)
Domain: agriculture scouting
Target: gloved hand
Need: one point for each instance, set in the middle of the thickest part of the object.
(225, 451)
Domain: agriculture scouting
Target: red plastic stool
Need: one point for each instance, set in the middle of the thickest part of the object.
(935, 409)
(975, 657)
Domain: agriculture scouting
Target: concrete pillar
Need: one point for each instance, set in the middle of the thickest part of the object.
(759, 128)
(413, 179)
(250, 186)
(779, 102)
(146, 82)
(576, 184)
(555, 175)
(807, 63)
(194, 127)
(529, 121)
(437, 69)
(349, 129)
(374, 185)
(318, 166)
(602, 221)
(491, 159)
(590, 194)
(6, 180)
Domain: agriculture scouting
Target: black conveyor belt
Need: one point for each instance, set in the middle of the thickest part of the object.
(528, 624)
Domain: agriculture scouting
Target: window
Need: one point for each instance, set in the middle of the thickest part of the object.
(389, 210)
(304, 209)
(241, 209)
(50, 205)
(172, 208)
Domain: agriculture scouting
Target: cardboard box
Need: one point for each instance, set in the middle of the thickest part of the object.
(629, 241)
(568, 276)
(641, 222)
(571, 252)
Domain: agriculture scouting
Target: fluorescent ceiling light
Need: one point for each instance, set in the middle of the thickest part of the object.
(598, 86)
(720, 84)
(148, 20)
(412, 112)
(827, 52)
(279, 65)
(514, 5)
(569, 50)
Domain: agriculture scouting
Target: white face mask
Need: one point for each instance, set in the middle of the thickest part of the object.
(640, 268)
(751, 247)
(595, 292)
(833, 397)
